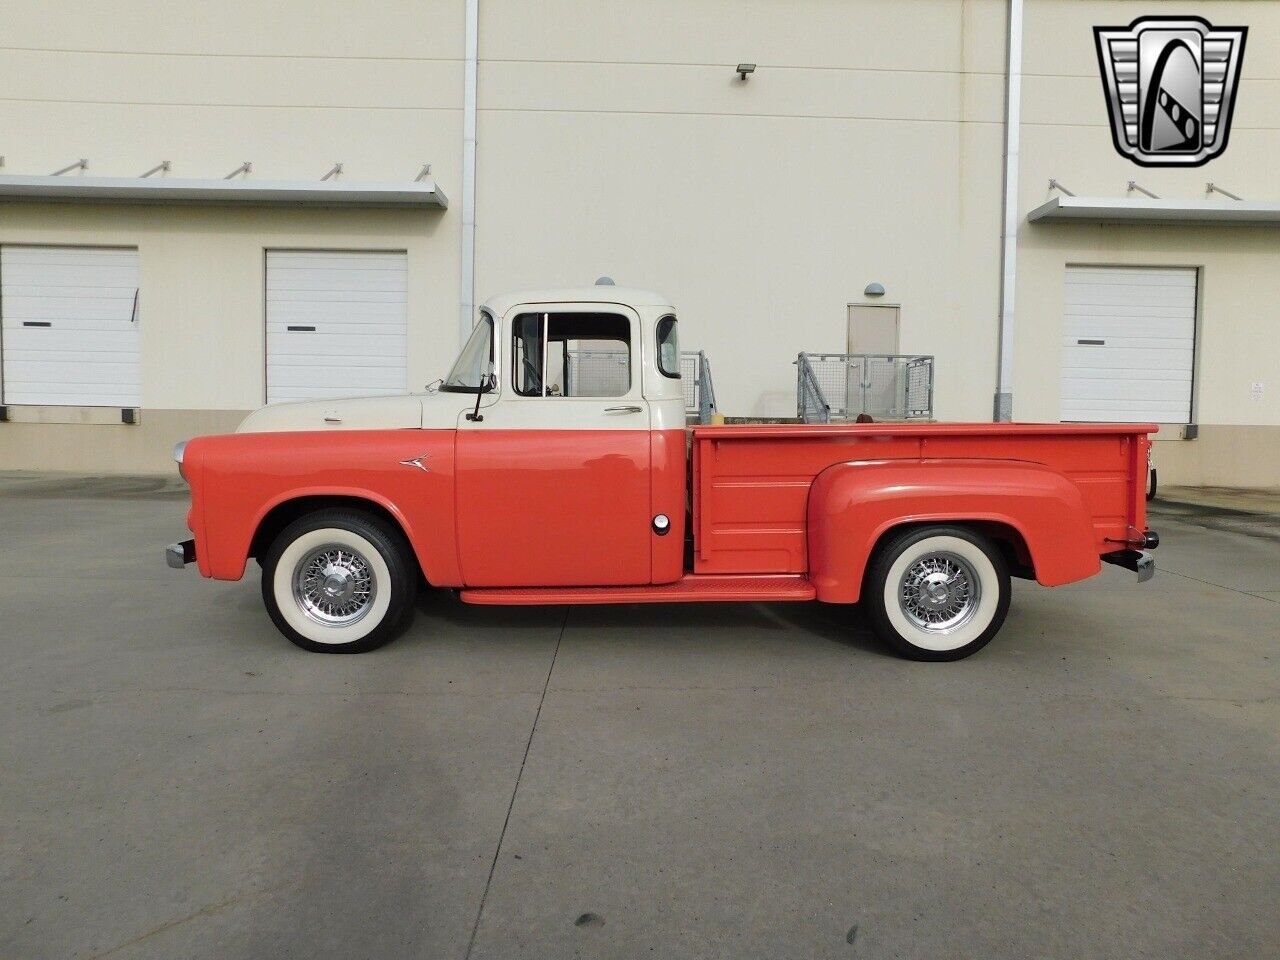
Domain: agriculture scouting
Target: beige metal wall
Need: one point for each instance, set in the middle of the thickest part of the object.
(202, 317)
(292, 87)
(1066, 136)
(614, 138)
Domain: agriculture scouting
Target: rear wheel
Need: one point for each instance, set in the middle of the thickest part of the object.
(937, 593)
(339, 581)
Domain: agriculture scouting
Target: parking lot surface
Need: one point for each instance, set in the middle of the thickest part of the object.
(177, 780)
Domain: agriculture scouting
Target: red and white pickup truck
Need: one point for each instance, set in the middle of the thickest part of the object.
(531, 476)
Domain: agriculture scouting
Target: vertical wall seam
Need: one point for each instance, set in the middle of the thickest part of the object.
(466, 310)
(1003, 409)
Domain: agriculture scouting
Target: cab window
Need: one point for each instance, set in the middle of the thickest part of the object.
(668, 348)
(571, 355)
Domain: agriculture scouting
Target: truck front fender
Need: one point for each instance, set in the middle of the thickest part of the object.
(853, 505)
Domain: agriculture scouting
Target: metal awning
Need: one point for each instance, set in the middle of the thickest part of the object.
(241, 192)
(1143, 210)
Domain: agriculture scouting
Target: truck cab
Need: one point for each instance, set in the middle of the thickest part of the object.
(570, 467)
(553, 464)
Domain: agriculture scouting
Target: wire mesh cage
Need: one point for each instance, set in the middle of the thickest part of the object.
(695, 382)
(606, 373)
(597, 373)
(840, 386)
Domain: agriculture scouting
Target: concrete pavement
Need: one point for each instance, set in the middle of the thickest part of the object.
(685, 781)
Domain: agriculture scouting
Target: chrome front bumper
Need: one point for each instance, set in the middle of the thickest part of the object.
(178, 555)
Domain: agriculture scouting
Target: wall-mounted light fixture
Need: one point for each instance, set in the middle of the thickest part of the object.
(874, 289)
(744, 69)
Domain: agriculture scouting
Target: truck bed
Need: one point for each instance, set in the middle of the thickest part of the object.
(751, 482)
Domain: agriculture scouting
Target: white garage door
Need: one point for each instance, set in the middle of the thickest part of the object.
(1128, 343)
(336, 324)
(70, 326)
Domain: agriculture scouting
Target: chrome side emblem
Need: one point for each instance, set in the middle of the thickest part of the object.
(1171, 86)
(417, 462)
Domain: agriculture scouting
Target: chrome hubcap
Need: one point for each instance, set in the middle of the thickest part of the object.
(334, 585)
(939, 592)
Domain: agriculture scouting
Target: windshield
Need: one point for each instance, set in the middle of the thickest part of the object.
(472, 371)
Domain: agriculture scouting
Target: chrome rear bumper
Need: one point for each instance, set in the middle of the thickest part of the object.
(178, 555)
(1140, 562)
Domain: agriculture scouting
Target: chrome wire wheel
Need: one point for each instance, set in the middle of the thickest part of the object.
(940, 592)
(334, 585)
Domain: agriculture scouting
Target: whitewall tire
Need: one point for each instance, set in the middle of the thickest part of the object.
(339, 581)
(937, 593)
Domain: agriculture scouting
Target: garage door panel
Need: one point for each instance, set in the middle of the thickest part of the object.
(1100, 295)
(71, 397)
(62, 322)
(317, 362)
(1117, 358)
(92, 342)
(32, 372)
(276, 295)
(1133, 276)
(362, 380)
(355, 332)
(369, 313)
(70, 335)
(357, 303)
(1155, 319)
(389, 347)
(1123, 410)
(1112, 342)
(1142, 369)
(338, 259)
(68, 309)
(1091, 373)
(1126, 389)
(73, 279)
(315, 287)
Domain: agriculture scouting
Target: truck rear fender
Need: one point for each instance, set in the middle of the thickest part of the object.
(854, 506)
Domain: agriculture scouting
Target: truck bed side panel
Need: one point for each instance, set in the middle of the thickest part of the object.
(752, 483)
(751, 495)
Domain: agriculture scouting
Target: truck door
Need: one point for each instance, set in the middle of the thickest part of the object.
(553, 482)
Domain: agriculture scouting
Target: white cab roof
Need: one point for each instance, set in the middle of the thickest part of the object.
(628, 296)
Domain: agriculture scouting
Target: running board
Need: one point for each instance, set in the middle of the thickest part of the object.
(691, 589)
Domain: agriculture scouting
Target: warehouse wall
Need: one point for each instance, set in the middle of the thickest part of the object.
(1066, 136)
(293, 87)
(202, 317)
(615, 138)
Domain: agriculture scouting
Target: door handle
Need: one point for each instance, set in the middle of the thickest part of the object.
(623, 409)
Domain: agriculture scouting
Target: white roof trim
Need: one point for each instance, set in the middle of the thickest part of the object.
(313, 193)
(1123, 210)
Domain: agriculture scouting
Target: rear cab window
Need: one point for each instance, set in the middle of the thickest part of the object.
(668, 348)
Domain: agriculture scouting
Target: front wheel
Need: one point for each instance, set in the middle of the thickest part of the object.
(937, 593)
(338, 581)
